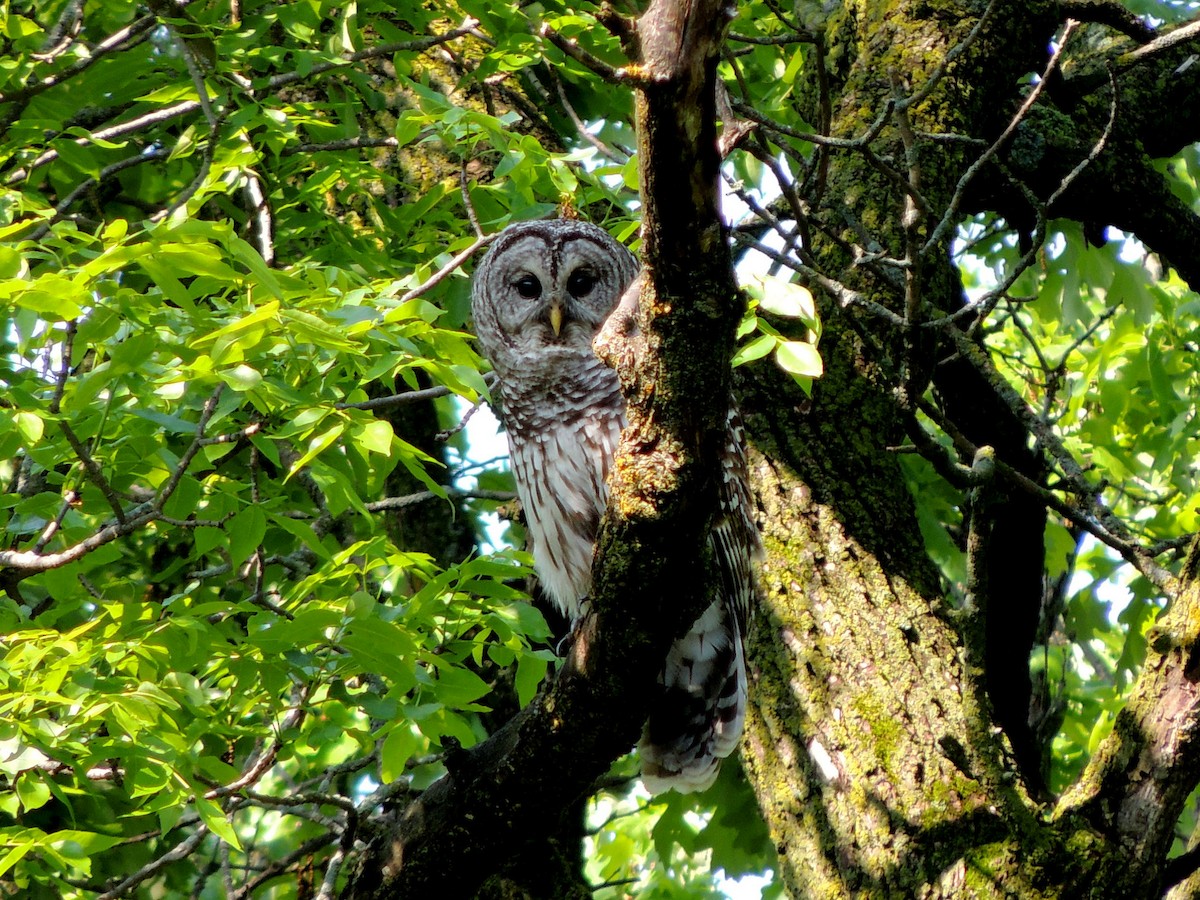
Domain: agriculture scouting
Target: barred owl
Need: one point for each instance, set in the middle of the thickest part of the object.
(539, 297)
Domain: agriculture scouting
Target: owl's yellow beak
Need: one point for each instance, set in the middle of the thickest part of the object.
(556, 317)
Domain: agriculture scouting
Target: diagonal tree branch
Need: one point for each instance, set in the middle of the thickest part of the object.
(1141, 776)
(497, 795)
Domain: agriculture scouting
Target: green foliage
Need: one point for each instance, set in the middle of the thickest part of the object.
(203, 619)
(670, 846)
(776, 297)
(1102, 350)
(220, 239)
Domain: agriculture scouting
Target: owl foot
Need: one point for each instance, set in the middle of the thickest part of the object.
(564, 645)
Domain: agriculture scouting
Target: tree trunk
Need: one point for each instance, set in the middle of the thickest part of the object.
(872, 743)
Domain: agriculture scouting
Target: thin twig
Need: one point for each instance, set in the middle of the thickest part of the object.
(1097, 148)
(278, 867)
(844, 295)
(258, 765)
(95, 473)
(180, 851)
(604, 149)
(185, 107)
(87, 184)
(401, 399)
(70, 498)
(96, 53)
(1159, 45)
(1097, 518)
(571, 48)
(464, 188)
(462, 422)
(421, 496)
(357, 143)
(950, 216)
(66, 351)
(773, 40)
(206, 413)
(197, 182)
(418, 45)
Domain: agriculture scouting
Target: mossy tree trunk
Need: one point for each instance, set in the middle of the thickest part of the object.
(889, 742)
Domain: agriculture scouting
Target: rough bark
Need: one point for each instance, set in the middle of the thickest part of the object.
(868, 745)
(877, 778)
(1127, 789)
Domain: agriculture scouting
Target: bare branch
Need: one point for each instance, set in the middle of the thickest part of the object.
(407, 397)
(113, 42)
(356, 143)
(1146, 52)
(421, 496)
(180, 851)
(797, 37)
(950, 216)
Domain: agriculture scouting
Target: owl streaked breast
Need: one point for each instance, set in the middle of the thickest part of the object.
(539, 296)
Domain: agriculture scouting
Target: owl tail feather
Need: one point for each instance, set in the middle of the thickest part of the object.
(697, 718)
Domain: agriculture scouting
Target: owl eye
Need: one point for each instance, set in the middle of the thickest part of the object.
(529, 287)
(580, 283)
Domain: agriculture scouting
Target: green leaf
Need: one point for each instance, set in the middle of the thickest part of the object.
(398, 747)
(373, 437)
(241, 377)
(32, 791)
(459, 688)
(246, 531)
(84, 843)
(317, 446)
(799, 358)
(214, 817)
(20, 844)
(785, 298)
(756, 349)
(531, 669)
(30, 425)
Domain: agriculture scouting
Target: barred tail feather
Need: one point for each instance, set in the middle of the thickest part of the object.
(697, 718)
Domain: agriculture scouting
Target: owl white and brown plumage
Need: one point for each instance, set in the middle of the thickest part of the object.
(539, 297)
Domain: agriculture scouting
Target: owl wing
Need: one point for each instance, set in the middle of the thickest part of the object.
(697, 717)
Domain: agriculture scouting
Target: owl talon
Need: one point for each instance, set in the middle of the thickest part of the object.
(561, 648)
(564, 645)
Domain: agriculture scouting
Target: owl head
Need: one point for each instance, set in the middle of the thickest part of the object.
(544, 289)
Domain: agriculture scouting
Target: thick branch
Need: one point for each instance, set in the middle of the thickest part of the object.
(1138, 781)
(1157, 117)
(496, 795)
